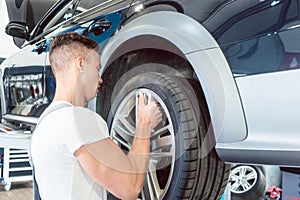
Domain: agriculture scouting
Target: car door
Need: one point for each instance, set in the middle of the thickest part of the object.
(270, 96)
(266, 68)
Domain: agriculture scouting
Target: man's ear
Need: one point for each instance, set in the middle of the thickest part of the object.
(79, 64)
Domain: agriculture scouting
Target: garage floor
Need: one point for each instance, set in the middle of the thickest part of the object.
(18, 191)
(24, 191)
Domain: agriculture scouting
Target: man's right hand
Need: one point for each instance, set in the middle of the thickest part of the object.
(148, 114)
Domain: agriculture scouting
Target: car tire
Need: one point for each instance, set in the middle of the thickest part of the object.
(176, 169)
(247, 182)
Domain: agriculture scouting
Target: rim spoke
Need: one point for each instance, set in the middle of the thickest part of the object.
(162, 159)
(153, 185)
(127, 124)
(136, 104)
(243, 171)
(251, 176)
(246, 186)
(149, 98)
(161, 131)
(120, 141)
(156, 155)
(235, 186)
(122, 135)
(234, 177)
(128, 107)
(161, 143)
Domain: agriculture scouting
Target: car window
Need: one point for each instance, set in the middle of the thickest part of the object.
(61, 16)
(239, 20)
(88, 4)
(36, 10)
(271, 45)
(72, 10)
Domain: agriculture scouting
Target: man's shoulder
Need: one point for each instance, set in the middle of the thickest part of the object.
(85, 114)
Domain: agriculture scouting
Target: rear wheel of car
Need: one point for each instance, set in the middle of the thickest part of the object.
(177, 169)
(247, 182)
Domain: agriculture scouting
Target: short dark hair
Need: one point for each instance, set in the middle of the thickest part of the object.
(71, 37)
(69, 45)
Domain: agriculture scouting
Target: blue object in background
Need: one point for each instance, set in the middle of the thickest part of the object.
(1, 162)
(222, 197)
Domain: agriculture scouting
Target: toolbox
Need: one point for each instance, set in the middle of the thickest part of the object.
(14, 165)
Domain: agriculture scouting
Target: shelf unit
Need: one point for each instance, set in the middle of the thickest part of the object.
(16, 167)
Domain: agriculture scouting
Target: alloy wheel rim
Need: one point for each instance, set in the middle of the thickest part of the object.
(162, 149)
(243, 179)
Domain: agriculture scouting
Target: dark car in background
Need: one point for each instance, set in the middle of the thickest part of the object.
(225, 73)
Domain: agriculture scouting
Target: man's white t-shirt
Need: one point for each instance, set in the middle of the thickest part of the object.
(56, 138)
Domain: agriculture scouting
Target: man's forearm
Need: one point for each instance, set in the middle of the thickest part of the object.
(139, 154)
(140, 149)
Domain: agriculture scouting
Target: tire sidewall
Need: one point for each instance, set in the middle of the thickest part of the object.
(154, 82)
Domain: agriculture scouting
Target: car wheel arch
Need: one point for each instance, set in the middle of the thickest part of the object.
(211, 69)
(192, 37)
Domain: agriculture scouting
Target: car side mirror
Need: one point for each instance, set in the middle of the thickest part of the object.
(17, 29)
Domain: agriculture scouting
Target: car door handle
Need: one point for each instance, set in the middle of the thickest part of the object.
(99, 27)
